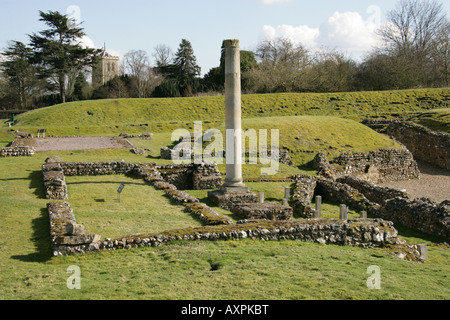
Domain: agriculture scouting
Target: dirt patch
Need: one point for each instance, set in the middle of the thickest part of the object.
(434, 183)
(75, 143)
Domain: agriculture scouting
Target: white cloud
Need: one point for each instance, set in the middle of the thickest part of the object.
(87, 42)
(347, 32)
(302, 34)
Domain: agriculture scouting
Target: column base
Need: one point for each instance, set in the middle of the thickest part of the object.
(229, 197)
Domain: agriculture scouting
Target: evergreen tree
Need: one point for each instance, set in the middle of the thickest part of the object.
(186, 67)
(19, 73)
(57, 50)
(80, 87)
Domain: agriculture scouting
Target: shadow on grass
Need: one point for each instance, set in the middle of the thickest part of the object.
(405, 232)
(105, 182)
(308, 169)
(37, 183)
(41, 240)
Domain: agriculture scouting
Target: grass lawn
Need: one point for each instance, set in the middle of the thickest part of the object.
(247, 269)
(242, 270)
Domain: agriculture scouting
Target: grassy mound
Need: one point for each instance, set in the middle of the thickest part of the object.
(303, 136)
(151, 112)
(436, 120)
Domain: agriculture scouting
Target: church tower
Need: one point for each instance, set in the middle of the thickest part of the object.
(106, 69)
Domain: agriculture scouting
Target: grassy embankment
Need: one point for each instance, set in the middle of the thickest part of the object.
(201, 270)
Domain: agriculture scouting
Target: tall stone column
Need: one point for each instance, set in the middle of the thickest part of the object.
(233, 115)
(233, 192)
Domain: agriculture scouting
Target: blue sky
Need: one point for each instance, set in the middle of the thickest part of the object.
(141, 25)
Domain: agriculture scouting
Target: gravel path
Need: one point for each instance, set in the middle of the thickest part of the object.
(434, 183)
(80, 143)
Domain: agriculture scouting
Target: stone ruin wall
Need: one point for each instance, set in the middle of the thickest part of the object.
(385, 165)
(185, 150)
(69, 238)
(366, 233)
(424, 144)
(17, 152)
(387, 203)
(66, 235)
(186, 177)
(373, 193)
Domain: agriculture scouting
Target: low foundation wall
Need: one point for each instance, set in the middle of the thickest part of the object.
(372, 192)
(17, 152)
(201, 211)
(96, 168)
(387, 203)
(190, 176)
(426, 145)
(385, 165)
(55, 187)
(419, 214)
(366, 233)
(66, 236)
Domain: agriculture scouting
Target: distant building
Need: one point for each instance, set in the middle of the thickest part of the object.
(106, 69)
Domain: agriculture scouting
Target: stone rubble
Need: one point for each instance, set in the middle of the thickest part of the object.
(17, 152)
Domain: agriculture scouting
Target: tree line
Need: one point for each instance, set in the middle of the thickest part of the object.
(414, 52)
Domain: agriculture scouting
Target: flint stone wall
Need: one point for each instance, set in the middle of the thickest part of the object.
(366, 233)
(144, 136)
(183, 176)
(166, 153)
(372, 192)
(385, 165)
(282, 157)
(230, 200)
(192, 176)
(54, 182)
(96, 168)
(67, 239)
(17, 152)
(387, 203)
(419, 214)
(269, 210)
(149, 173)
(380, 125)
(426, 145)
(342, 193)
(304, 189)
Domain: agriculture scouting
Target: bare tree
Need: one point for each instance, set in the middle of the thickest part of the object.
(441, 55)
(152, 80)
(136, 64)
(331, 71)
(282, 66)
(282, 51)
(163, 55)
(411, 33)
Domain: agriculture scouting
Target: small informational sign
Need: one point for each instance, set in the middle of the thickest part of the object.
(119, 191)
(41, 131)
